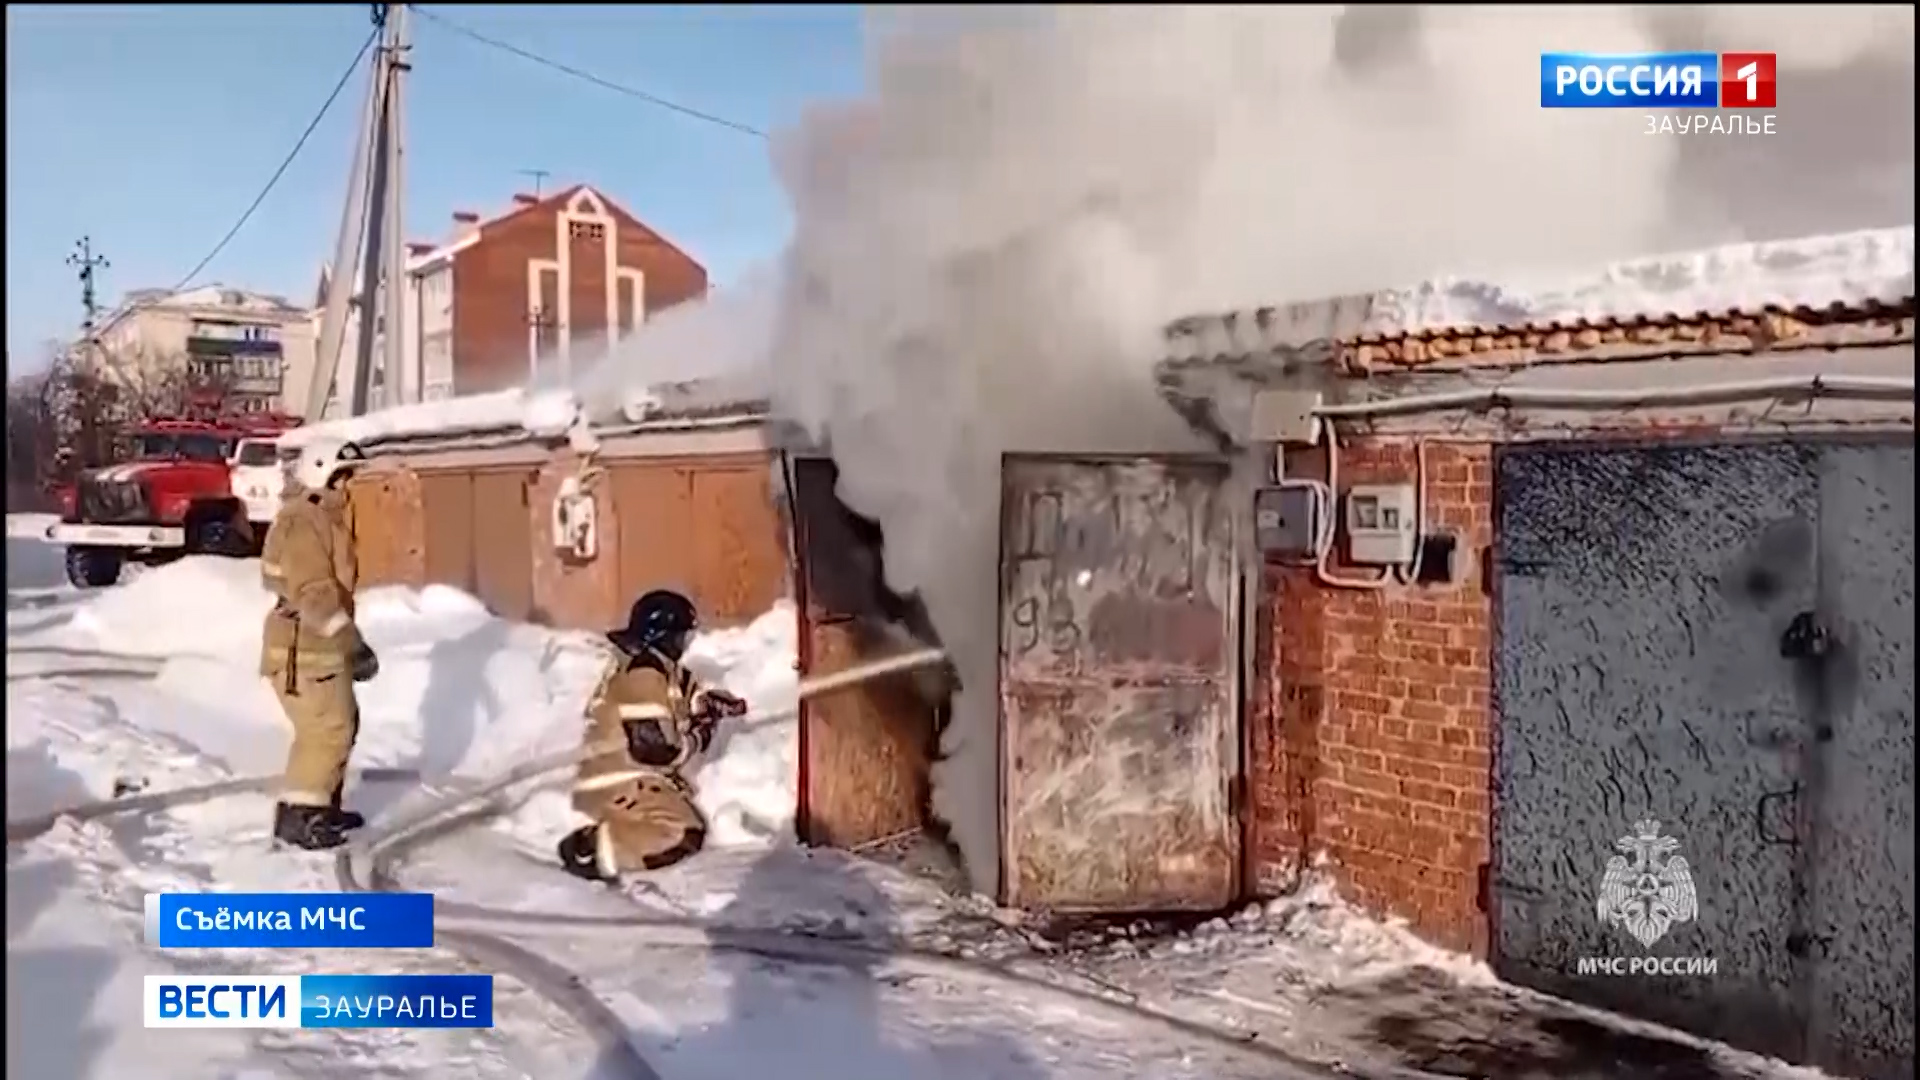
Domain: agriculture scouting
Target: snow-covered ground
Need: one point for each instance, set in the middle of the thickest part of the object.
(150, 686)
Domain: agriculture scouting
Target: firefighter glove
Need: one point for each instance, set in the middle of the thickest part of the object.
(364, 663)
(699, 736)
(719, 705)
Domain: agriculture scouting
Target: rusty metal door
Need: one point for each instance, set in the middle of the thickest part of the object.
(740, 561)
(1118, 684)
(503, 543)
(654, 502)
(447, 502)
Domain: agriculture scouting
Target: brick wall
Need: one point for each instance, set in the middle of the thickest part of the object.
(1372, 728)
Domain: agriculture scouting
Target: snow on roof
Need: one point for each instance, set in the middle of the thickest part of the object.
(544, 413)
(211, 296)
(1850, 269)
(1873, 267)
(500, 410)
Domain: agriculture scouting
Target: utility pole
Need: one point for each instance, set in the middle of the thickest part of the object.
(394, 232)
(539, 179)
(76, 414)
(372, 237)
(90, 264)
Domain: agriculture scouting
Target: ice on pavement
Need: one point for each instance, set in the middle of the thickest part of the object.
(462, 693)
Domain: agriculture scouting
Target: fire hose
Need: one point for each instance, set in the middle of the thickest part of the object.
(475, 931)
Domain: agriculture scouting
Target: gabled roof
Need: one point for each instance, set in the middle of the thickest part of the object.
(576, 196)
(470, 234)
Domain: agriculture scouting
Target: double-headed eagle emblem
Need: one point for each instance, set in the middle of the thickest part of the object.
(1647, 889)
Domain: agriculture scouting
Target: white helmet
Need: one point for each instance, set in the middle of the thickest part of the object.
(323, 459)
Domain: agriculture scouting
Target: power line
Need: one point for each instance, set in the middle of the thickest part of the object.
(587, 76)
(272, 182)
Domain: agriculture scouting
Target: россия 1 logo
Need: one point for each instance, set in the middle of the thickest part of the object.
(1682, 80)
(1747, 80)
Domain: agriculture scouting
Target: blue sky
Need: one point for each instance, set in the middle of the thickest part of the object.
(150, 128)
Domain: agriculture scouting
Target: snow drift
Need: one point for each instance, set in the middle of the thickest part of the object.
(460, 692)
(988, 243)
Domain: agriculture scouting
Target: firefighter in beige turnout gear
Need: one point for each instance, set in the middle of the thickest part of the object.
(311, 650)
(642, 807)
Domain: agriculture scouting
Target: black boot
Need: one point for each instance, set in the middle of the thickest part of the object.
(349, 819)
(315, 828)
(579, 853)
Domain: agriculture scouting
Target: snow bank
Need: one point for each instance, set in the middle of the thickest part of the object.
(748, 786)
(460, 692)
(201, 606)
(1848, 268)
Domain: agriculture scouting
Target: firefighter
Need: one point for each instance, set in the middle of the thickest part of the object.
(644, 817)
(311, 649)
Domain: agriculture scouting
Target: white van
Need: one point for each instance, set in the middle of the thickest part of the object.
(257, 473)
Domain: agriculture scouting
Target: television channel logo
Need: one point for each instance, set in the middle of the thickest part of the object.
(1676, 80)
(1748, 80)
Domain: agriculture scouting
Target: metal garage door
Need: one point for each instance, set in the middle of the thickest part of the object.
(1717, 639)
(1118, 684)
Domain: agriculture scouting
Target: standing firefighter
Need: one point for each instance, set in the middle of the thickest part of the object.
(311, 650)
(642, 808)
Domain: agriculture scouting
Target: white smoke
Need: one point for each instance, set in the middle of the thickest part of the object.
(988, 242)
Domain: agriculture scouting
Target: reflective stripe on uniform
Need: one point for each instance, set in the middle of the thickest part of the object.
(607, 780)
(644, 711)
(603, 851)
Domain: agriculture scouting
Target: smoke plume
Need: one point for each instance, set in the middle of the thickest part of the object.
(988, 243)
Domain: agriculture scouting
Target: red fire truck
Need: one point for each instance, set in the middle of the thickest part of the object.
(173, 497)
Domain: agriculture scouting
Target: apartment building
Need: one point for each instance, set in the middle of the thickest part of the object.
(256, 348)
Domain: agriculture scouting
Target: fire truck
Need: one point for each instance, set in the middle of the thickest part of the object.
(173, 497)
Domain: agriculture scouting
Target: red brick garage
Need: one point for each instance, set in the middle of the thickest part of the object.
(1370, 735)
(1384, 730)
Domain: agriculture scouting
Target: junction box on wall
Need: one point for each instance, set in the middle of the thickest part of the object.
(1288, 514)
(1286, 417)
(575, 527)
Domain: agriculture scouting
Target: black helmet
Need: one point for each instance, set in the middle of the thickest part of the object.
(660, 621)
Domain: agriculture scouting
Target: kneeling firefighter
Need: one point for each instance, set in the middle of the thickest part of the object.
(311, 650)
(644, 817)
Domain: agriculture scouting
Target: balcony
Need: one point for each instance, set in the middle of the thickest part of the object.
(238, 374)
(226, 346)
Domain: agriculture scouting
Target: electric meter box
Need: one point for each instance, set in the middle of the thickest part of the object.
(1285, 521)
(1381, 530)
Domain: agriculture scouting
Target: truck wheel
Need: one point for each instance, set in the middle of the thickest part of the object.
(212, 536)
(93, 567)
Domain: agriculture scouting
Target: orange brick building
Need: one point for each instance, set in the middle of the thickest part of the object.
(535, 289)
